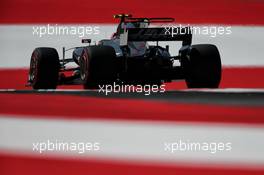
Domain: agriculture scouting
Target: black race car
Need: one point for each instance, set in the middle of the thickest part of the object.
(127, 58)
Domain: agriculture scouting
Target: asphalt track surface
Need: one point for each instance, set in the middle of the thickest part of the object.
(239, 97)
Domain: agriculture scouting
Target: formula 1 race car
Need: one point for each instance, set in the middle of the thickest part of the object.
(128, 58)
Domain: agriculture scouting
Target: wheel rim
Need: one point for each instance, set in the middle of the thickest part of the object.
(84, 67)
(33, 68)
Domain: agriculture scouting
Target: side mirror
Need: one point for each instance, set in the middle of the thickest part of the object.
(122, 16)
(86, 41)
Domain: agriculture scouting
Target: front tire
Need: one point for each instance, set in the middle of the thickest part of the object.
(202, 67)
(44, 68)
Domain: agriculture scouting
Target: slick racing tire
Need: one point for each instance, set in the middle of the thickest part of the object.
(44, 68)
(202, 67)
(97, 66)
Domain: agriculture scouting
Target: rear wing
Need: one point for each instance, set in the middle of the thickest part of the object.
(183, 34)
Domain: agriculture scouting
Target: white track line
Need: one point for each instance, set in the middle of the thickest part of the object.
(223, 90)
(227, 90)
(133, 140)
(241, 48)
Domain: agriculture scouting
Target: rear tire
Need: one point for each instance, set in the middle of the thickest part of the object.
(202, 67)
(44, 68)
(98, 66)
